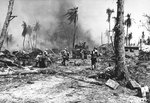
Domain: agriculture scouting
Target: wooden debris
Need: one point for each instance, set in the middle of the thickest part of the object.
(132, 84)
(135, 84)
(112, 84)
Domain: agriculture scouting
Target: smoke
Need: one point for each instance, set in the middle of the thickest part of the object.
(55, 30)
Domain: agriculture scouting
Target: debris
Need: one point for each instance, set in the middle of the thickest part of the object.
(30, 82)
(144, 91)
(132, 84)
(8, 62)
(106, 73)
(111, 83)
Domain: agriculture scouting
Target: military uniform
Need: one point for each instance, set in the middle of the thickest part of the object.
(94, 56)
(40, 61)
(65, 56)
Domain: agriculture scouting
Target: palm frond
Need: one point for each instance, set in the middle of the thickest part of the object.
(128, 20)
(72, 15)
(109, 12)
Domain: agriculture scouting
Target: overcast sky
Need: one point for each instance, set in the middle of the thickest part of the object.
(92, 15)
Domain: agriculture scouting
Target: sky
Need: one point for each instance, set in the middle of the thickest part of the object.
(92, 16)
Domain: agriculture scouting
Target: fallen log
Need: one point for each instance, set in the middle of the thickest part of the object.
(8, 62)
(25, 72)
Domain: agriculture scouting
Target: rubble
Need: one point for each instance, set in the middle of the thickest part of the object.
(23, 61)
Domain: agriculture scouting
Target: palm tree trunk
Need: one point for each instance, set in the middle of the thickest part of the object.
(9, 17)
(31, 42)
(36, 37)
(120, 67)
(35, 40)
(74, 35)
(111, 37)
(24, 42)
(101, 38)
(109, 32)
(7, 43)
(127, 37)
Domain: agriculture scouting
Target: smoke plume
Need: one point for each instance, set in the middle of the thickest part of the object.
(55, 30)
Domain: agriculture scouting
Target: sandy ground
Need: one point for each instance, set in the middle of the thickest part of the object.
(64, 89)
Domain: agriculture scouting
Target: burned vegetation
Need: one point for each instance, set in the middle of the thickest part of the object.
(62, 64)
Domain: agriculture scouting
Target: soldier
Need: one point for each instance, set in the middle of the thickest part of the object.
(82, 54)
(94, 56)
(65, 56)
(45, 53)
(40, 60)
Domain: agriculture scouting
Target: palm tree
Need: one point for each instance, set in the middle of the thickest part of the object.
(109, 12)
(36, 29)
(128, 23)
(24, 32)
(121, 71)
(72, 16)
(130, 37)
(29, 32)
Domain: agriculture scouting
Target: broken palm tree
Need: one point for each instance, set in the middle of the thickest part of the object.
(9, 17)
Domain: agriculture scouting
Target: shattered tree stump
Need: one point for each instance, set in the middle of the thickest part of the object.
(112, 84)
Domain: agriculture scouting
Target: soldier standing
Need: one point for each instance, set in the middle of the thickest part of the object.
(65, 56)
(94, 56)
(38, 59)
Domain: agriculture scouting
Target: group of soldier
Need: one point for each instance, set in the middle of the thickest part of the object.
(42, 57)
(94, 55)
